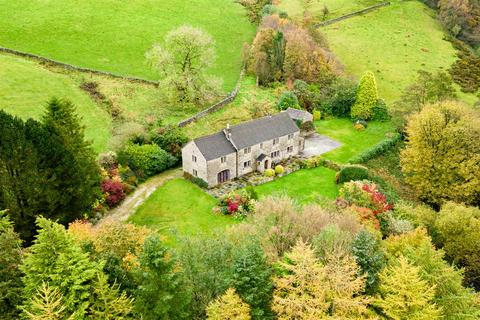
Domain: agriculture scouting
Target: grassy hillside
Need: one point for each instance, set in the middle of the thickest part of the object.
(393, 42)
(336, 8)
(26, 87)
(113, 35)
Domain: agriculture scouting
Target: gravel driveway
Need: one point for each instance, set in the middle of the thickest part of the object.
(317, 144)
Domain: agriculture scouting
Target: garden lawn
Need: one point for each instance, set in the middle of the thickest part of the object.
(305, 186)
(353, 141)
(180, 206)
(393, 42)
(336, 8)
(26, 87)
(114, 35)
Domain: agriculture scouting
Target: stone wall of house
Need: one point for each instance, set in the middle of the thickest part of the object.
(189, 165)
(215, 166)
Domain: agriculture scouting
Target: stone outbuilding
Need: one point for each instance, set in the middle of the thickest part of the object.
(235, 151)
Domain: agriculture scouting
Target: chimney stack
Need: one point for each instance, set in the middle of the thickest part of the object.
(227, 132)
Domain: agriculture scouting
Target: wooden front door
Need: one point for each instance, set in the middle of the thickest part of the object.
(223, 176)
(266, 164)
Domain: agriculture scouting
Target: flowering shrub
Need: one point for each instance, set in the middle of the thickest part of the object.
(236, 203)
(114, 191)
(366, 199)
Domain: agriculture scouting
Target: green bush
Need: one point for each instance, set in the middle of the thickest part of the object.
(380, 111)
(270, 173)
(198, 181)
(279, 169)
(287, 100)
(378, 149)
(317, 115)
(146, 160)
(352, 172)
(339, 99)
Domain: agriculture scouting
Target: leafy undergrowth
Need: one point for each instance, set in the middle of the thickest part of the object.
(353, 141)
(387, 167)
(180, 207)
(114, 35)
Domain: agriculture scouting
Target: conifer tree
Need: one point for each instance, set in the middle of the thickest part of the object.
(84, 174)
(228, 307)
(108, 303)
(47, 304)
(367, 97)
(10, 274)
(55, 259)
(160, 294)
(404, 295)
(252, 280)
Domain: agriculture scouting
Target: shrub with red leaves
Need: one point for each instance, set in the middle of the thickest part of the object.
(114, 192)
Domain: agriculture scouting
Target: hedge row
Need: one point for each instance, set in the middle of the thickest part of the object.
(378, 149)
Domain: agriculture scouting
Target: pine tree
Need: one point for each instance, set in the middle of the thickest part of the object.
(55, 259)
(10, 274)
(404, 295)
(84, 179)
(228, 307)
(367, 97)
(252, 279)
(47, 304)
(160, 294)
(108, 303)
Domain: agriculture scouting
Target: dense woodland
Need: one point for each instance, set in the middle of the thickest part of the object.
(400, 239)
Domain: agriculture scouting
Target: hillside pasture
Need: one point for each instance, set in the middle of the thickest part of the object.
(113, 35)
(26, 87)
(394, 42)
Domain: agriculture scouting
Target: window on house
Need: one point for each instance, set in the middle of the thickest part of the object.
(274, 154)
(247, 150)
(223, 159)
(290, 136)
(195, 173)
(275, 141)
(261, 145)
(194, 158)
(290, 149)
(246, 164)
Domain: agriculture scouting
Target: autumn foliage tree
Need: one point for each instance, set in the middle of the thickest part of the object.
(229, 306)
(182, 63)
(367, 97)
(441, 160)
(404, 295)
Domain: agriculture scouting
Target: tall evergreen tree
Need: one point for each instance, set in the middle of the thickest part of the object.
(84, 180)
(252, 279)
(367, 97)
(10, 274)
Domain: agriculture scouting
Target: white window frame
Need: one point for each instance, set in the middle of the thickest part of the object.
(247, 150)
(247, 164)
(194, 158)
(290, 136)
(290, 149)
(276, 141)
(195, 173)
(223, 159)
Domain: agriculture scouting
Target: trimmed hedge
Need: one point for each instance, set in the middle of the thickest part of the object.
(198, 181)
(378, 149)
(352, 173)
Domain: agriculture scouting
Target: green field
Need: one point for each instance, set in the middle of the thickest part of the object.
(114, 35)
(26, 87)
(336, 8)
(393, 42)
(180, 207)
(353, 141)
(305, 186)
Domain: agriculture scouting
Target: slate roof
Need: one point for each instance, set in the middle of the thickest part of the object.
(297, 114)
(261, 157)
(214, 146)
(245, 135)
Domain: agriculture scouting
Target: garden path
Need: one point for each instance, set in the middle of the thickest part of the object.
(131, 202)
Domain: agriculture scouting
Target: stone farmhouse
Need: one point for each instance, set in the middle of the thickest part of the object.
(237, 150)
